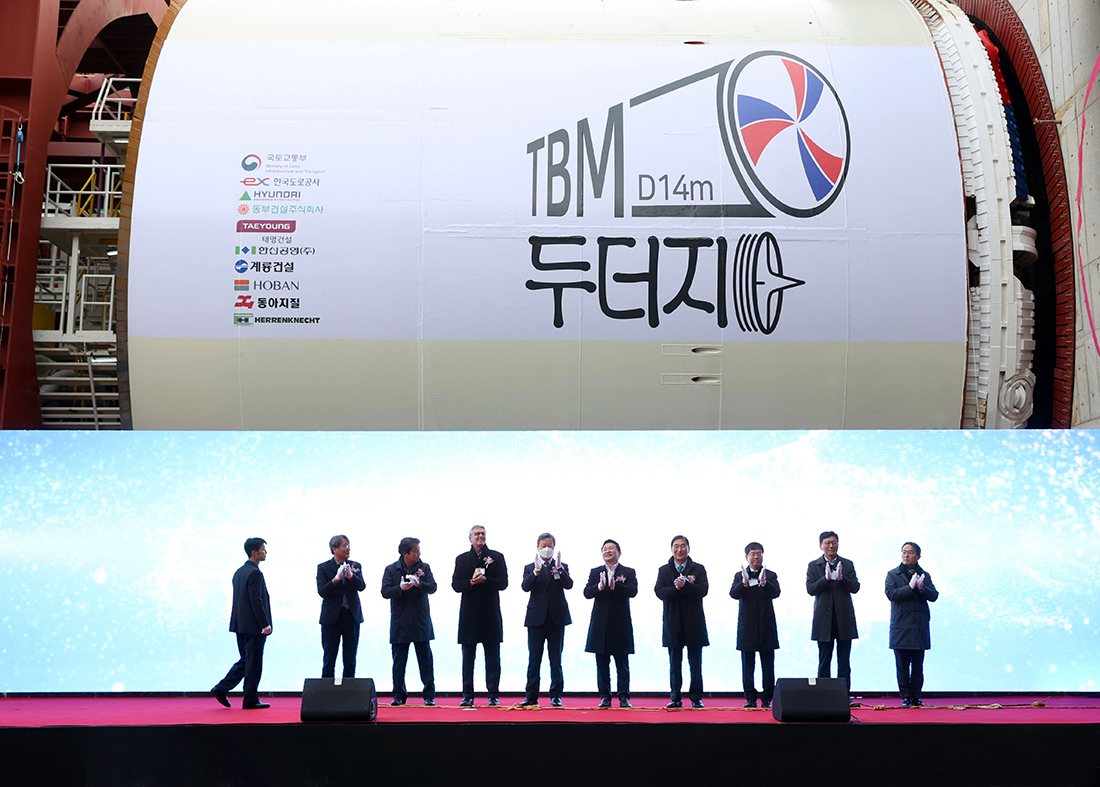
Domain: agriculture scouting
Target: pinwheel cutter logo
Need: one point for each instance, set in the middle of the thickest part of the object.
(790, 131)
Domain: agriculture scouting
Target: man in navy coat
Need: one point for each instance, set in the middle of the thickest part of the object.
(755, 588)
(546, 579)
(407, 584)
(909, 588)
(832, 580)
(681, 585)
(480, 574)
(611, 632)
(339, 582)
(251, 621)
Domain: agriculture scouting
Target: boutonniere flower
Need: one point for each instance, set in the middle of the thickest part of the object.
(488, 560)
(620, 578)
(420, 572)
(690, 578)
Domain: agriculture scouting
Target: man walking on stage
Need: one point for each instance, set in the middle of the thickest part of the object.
(480, 574)
(546, 579)
(832, 580)
(611, 632)
(755, 588)
(681, 585)
(339, 582)
(250, 619)
(407, 584)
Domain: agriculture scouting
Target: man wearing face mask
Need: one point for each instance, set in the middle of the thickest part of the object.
(611, 632)
(755, 588)
(832, 580)
(546, 579)
(909, 588)
(681, 585)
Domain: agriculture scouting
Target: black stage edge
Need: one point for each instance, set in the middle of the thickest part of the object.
(924, 755)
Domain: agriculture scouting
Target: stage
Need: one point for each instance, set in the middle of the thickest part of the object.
(111, 740)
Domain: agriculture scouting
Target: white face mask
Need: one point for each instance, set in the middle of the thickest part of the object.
(546, 553)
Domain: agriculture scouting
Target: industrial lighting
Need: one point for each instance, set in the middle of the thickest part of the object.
(112, 252)
(121, 140)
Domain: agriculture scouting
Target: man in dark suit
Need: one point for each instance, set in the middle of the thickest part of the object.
(339, 582)
(832, 580)
(479, 576)
(407, 584)
(546, 579)
(909, 588)
(754, 589)
(681, 585)
(610, 631)
(251, 621)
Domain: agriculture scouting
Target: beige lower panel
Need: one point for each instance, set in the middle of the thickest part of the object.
(373, 385)
(325, 384)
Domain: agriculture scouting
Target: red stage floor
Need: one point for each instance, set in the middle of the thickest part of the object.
(157, 711)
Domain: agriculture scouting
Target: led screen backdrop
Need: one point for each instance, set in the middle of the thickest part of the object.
(116, 550)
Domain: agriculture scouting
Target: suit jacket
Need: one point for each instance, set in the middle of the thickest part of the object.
(333, 594)
(909, 614)
(547, 604)
(756, 629)
(610, 629)
(410, 617)
(830, 595)
(251, 606)
(684, 621)
(479, 617)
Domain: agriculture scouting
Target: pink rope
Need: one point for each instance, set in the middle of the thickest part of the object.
(1080, 213)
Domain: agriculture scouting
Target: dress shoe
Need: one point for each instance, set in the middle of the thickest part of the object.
(429, 703)
(494, 702)
(916, 702)
(765, 704)
(529, 702)
(556, 702)
(397, 703)
(906, 702)
(257, 706)
(467, 702)
(749, 704)
(624, 702)
(604, 703)
(675, 704)
(697, 703)
(220, 697)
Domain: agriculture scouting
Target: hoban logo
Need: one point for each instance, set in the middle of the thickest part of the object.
(751, 138)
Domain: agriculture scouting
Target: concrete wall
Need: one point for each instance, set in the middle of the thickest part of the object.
(1066, 37)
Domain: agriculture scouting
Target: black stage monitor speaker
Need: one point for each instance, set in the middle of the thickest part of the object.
(810, 699)
(351, 700)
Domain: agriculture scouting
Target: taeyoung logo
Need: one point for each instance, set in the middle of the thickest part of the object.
(251, 162)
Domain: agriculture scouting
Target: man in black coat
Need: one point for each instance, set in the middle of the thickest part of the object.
(407, 584)
(546, 579)
(909, 588)
(681, 585)
(339, 582)
(755, 589)
(251, 621)
(611, 632)
(832, 580)
(479, 576)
